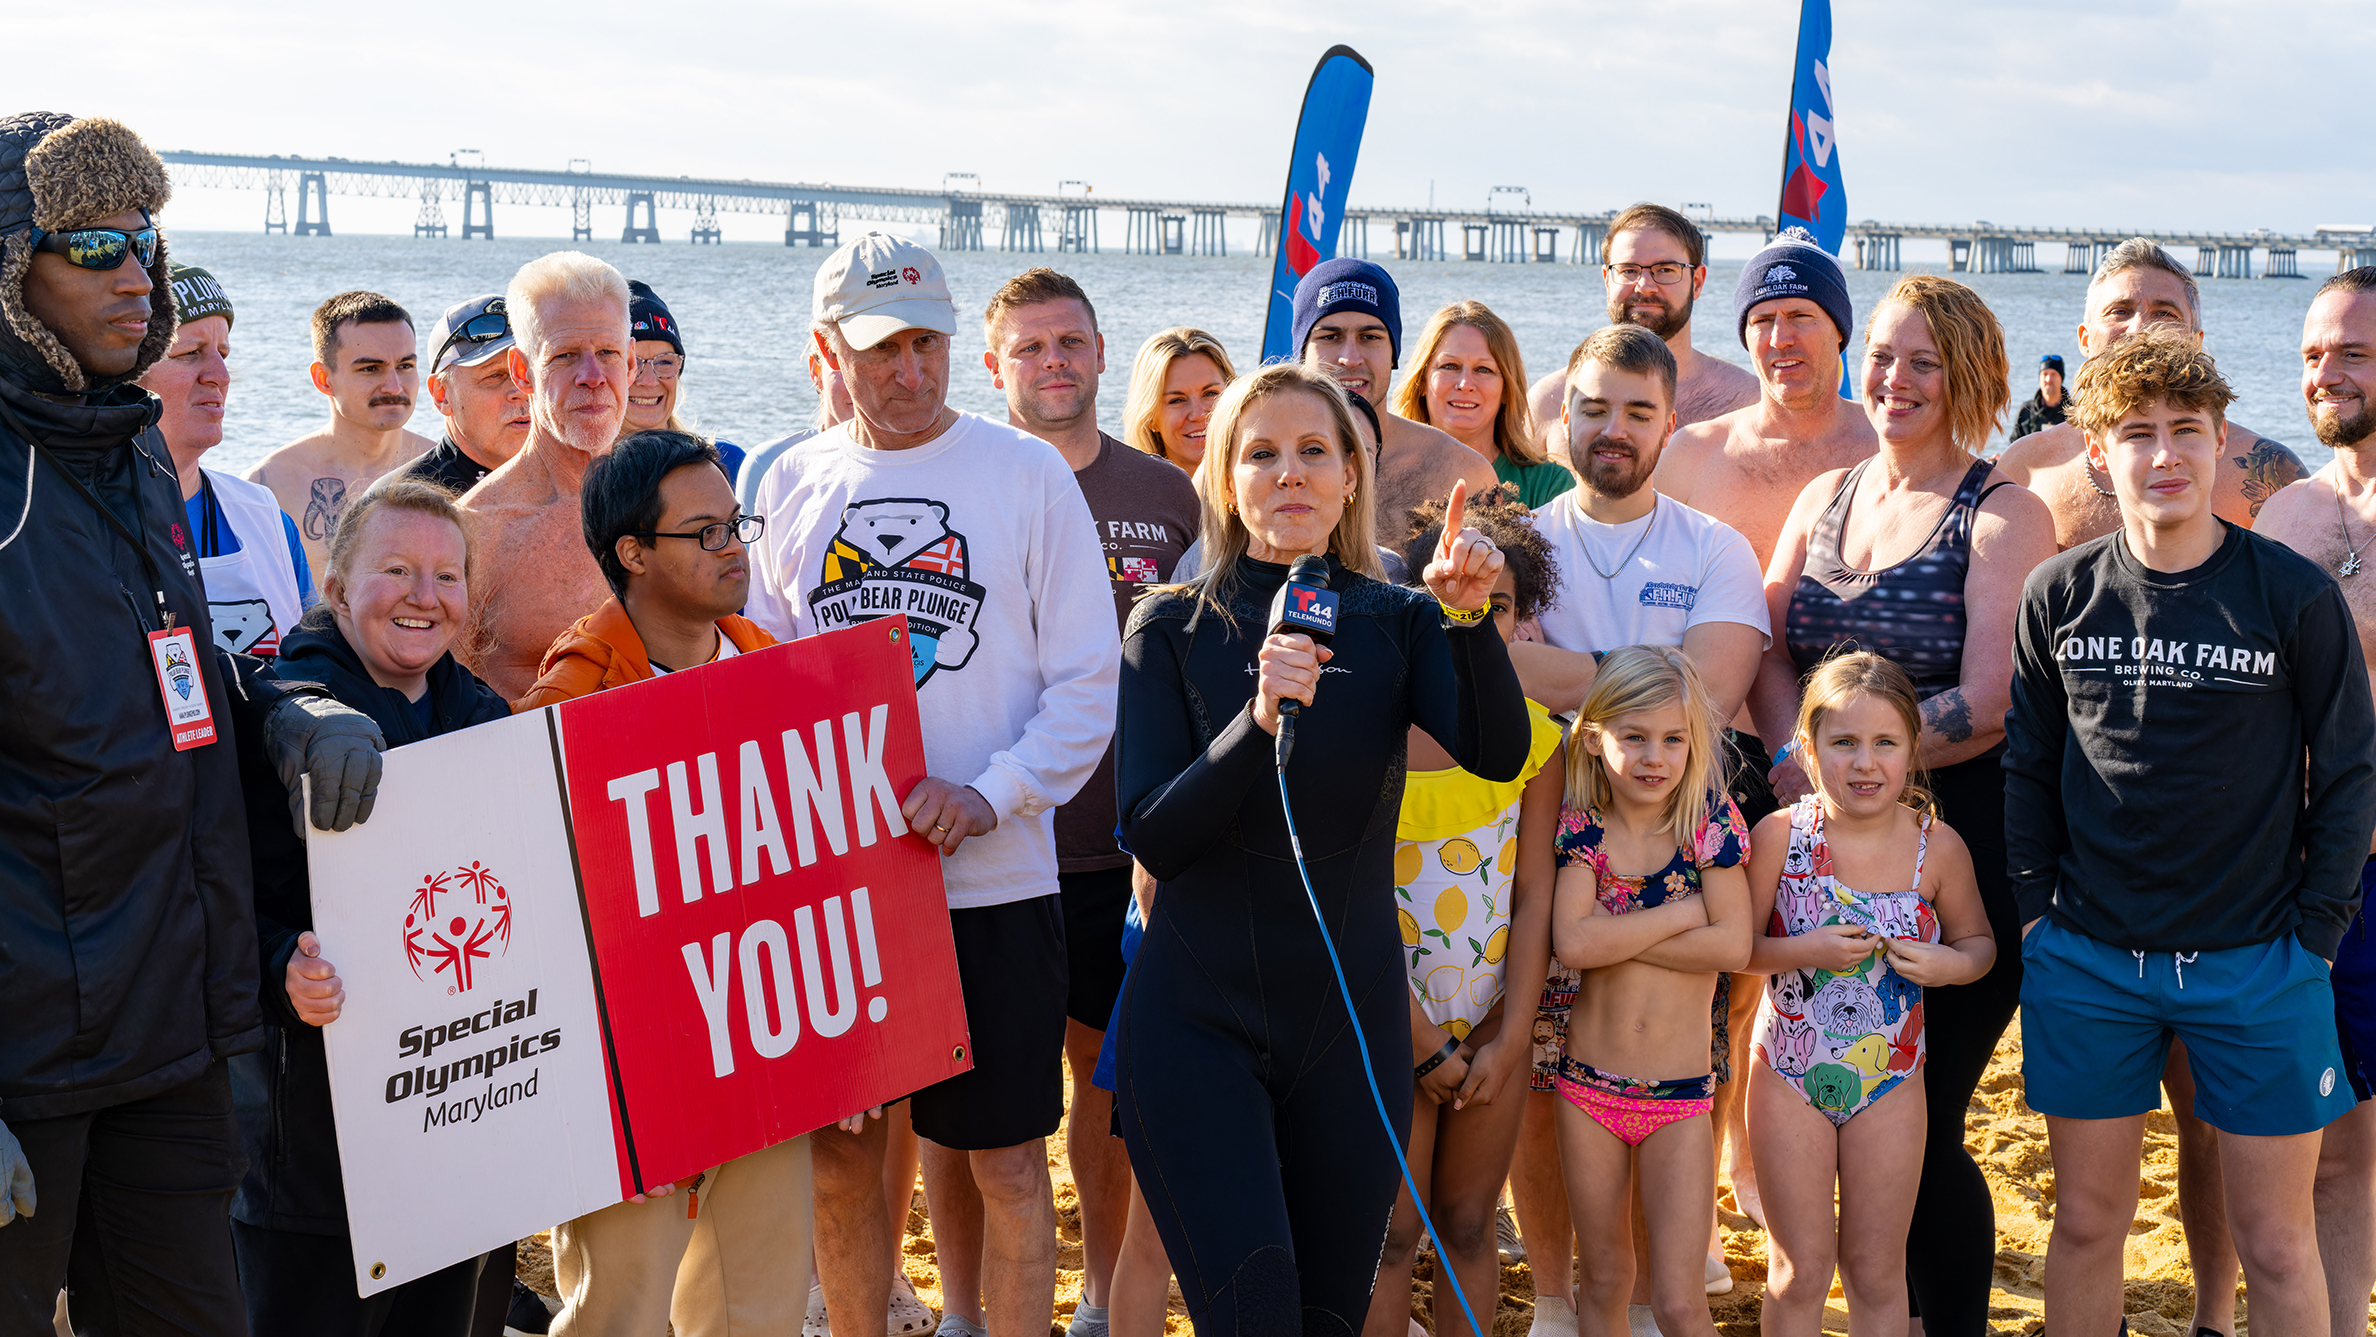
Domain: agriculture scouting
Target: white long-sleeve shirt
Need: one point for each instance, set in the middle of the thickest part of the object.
(983, 539)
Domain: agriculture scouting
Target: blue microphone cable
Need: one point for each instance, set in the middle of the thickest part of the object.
(1444, 1272)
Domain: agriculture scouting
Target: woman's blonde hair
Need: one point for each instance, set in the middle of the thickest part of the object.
(1354, 540)
(1844, 677)
(1630, 680)
(1147, 374)
(417, 495)
(1513, 426)
(1971, 343)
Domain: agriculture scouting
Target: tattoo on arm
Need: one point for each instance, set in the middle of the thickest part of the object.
(1949, 714)
(2267, 467)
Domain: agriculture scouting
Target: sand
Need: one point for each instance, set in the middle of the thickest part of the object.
(2002, 1132)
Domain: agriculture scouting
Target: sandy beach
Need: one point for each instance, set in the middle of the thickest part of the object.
(2003, 1133)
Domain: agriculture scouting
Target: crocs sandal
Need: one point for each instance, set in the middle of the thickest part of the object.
(814, 1324)
(1720, 1277)
(909, 1316)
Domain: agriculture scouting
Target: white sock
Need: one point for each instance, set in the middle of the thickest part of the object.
(1640, 1323)
(953, 1326)
(1552, 1318)
(1088, 1320)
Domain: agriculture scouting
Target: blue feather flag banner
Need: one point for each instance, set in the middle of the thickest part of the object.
(1319, 174)
(1813, 195)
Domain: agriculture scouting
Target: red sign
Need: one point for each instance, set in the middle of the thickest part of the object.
(771, 945)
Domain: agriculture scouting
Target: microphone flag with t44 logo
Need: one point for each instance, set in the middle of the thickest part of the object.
(601, 947)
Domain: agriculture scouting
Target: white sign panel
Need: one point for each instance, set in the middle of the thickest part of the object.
(466, 1068)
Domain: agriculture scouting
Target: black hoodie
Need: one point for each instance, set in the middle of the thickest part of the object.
(283, 1093)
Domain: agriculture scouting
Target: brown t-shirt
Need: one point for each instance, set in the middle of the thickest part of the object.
(1146, 515)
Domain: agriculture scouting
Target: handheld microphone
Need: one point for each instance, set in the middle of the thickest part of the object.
(1306, 606)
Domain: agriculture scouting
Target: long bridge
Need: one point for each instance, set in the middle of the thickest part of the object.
(1507, 229)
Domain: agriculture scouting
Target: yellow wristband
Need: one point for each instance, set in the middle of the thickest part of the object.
(1467, 617)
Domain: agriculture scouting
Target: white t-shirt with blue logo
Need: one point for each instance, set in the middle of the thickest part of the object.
(1689, 569)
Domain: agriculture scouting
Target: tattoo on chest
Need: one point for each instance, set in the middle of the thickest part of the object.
(322, 508)
(1950, 714)
(2267, 467)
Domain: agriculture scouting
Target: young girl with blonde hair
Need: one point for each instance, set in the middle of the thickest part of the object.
(1651, 905)
(1838, 1098)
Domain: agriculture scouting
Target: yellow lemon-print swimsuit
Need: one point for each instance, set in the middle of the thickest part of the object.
(1453, 876)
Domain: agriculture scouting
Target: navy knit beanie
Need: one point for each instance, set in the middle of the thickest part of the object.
(648, 317)
(1793, 265)
(1347, 285)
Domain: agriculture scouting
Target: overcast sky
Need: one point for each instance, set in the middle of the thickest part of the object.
(2112, 113)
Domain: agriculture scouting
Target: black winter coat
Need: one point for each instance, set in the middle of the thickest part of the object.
(127, 940)
(283, 1094)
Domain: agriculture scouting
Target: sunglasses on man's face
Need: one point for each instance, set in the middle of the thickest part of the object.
(99, 247)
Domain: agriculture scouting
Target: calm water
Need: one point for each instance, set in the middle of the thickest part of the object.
(745, 312)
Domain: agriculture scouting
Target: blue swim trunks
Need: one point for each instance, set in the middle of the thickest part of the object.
(2258, 1021)
(2355, 994)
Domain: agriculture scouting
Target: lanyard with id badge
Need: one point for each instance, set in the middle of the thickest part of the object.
(173, 651)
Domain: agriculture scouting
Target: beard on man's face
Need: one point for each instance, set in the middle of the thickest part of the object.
(2336, 432)
(1616, 479)
(1663, 319)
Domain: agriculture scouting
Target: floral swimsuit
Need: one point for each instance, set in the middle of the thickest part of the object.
(1842, 1039)
(1633, 1108)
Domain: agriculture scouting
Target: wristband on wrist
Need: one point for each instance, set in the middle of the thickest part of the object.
(1451, 1047)
(1466, 617)
(1788, 750)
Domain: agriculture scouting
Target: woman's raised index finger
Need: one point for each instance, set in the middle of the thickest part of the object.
(1455, 512)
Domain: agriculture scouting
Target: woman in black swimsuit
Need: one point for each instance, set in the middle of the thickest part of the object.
(1919, 555)
(1239, 1087)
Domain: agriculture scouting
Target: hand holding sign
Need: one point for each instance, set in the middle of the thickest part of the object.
(1466, 565)
(313, 984)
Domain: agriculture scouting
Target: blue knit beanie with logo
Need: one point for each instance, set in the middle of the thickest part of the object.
(1793, 265)
(1347, 285)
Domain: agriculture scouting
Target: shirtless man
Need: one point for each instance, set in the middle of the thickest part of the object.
(1748, 466)
(366, 362)
(1348, 323)
(2138, 285)
(1654, 263)
(534, 575)
(2328, 518)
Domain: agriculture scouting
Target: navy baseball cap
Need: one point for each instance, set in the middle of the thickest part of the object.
(471, 332)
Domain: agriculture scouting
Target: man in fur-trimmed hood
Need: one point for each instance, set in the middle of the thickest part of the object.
(60, 173)
(125, 880)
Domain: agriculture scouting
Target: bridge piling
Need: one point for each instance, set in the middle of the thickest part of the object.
(649, 229)
(823, 230)
(1022, 228)
(314, 189)
(961, 226)
(430, 220)
(705, 223)
(478, 201)
(1080, 230)
(1212, 235)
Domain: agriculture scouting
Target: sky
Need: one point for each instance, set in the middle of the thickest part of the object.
(2145, 114)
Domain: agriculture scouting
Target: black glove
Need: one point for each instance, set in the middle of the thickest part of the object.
(16, 1179)
(338, 746)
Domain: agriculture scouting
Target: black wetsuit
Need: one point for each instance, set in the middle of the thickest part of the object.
(1240, 1091)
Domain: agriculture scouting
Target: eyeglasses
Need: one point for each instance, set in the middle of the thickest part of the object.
(484, 328)
(745, 528)
(666, 366)
(99, 247)
(1666, 273)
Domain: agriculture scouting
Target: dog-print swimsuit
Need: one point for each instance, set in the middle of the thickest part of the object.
(1843, 1039)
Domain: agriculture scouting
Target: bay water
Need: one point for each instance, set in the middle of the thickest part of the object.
(744, 311)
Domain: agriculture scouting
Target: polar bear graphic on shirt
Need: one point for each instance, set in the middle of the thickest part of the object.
(898, 555)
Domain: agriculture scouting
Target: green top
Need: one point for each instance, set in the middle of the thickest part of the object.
(1537, 483)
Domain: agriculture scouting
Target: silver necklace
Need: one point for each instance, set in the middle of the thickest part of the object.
(2351, 561)
(1627, 559)
(2099, 487)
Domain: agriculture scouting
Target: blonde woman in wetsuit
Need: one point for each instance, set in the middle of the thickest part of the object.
(1652, 908)
(1866, 899)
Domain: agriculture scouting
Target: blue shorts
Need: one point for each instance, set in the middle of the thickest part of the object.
(2258, 1021)
(2355, 994)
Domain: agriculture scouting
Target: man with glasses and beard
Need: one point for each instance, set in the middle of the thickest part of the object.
(365, 362)
(1654, 263)
(486, 411)
(2328, 518)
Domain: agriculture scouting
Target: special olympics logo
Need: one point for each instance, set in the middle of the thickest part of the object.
(910, 275)
(462, 933)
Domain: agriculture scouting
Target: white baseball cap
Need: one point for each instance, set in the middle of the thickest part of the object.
(878, 285)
